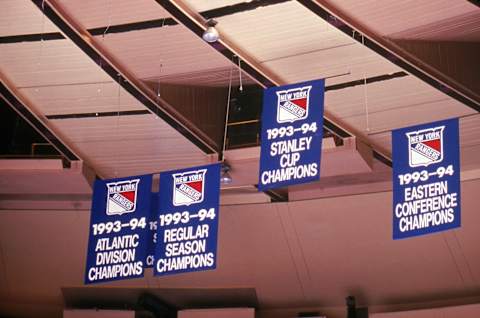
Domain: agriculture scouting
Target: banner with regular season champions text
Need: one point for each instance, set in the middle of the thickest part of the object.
(187, 223)
(118, 229)
(292, 131)
(426, 178)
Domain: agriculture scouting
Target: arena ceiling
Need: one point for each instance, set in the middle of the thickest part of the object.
(129, 87)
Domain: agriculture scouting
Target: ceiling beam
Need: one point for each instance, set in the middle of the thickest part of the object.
(16, 102)
(392, 52)
(157, 106)
(196, 23)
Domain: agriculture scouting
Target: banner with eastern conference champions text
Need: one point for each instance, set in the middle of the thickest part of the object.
(187, 222)
(118, 229)
(292, 131)
(426, 179)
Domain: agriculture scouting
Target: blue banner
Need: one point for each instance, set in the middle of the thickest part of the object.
(187, 223)
(152, 231)
(426, 179)
(292, 131)
(118, 229)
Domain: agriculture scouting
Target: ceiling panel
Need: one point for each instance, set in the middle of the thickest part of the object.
(23, 17)
(220, 77)
(464, 27)
(169, 54)
(309, 48)
(338, 65)
(58, 62)
(390, 16)
(102, 13)
(406, 116)
(393, 104)
(82, 98)
(129, 145)
(162, 52)
(277, 34)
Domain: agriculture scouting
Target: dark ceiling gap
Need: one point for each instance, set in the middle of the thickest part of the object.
(368, 80)
(24, 112)
(143, 25)
(155, 107)
(475, 2)
(101, 114)
(389, 54)
(35, 37)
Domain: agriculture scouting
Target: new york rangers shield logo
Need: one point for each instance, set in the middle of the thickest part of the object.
(425, 147)
(188, 187)
(293, 104)
(122, 197)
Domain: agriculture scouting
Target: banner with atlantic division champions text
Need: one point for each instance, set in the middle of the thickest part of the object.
(118, 229)
(426, 179)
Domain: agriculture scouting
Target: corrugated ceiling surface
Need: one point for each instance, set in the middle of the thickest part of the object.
(169, 54)
(389, 17)
(22, 17)
(96, 13)
(309, 48)
(58, 78)
(464, 27)
(84, 98)
(163, 52)
(48, 63)
(130, 145)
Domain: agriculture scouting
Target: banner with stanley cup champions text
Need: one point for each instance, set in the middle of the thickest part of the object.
(291, 136)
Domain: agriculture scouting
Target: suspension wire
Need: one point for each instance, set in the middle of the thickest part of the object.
(159, 72)
(222, 155)
(117, 162)
(109, 8)
(240, 74)
(365, 94)
(40, 55)
(158, 80)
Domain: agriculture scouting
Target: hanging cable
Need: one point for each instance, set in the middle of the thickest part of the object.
(160, 69)
(158, 81)
(40, 54)
(109, 8)
(222, 155)
(240, 74)
(365, 95)
(117, 125)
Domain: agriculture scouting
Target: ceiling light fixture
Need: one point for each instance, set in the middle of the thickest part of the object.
(211, 34)
(225, 178)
